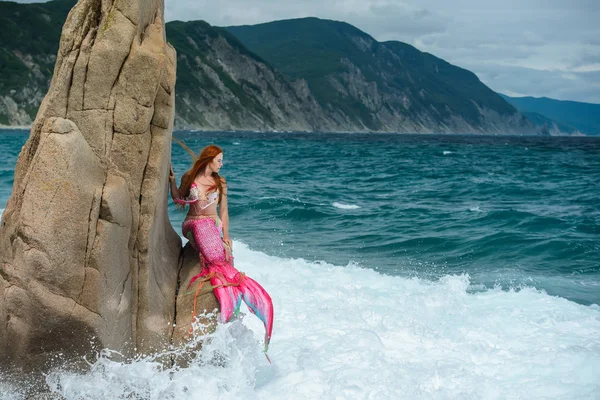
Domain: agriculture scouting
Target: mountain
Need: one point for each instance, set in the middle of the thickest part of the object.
(572, 115)
(221, 85)
(306, 75)
(28, 46)
(550, 127)
(389, 86)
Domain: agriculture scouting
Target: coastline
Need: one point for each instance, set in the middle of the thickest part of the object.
(208, 130)
(16, 127)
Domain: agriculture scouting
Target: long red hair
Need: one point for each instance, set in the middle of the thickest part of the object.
(206, 156)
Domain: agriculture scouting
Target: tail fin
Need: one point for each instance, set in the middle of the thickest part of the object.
(260, 304)
(229, 297)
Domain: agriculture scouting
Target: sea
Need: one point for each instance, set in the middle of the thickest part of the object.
(401, 267)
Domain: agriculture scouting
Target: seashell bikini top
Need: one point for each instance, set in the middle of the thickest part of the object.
(202, 200)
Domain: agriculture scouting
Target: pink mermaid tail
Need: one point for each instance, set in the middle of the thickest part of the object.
(230, 286)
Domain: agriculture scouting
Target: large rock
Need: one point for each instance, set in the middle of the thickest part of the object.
(88, 256)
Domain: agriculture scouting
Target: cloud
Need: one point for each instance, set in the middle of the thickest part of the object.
(586, 61)
(376, 17)
(519, 81)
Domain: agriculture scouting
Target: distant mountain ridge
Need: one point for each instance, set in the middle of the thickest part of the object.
(549, 126)
(303, 75)
(572, 115)
(388, 86)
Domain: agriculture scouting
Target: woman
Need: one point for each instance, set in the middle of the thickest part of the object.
(203, 190)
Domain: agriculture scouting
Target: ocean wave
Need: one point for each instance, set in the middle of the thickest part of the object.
(337, 324)
(343, 206)
(279, 199)
(303, 213)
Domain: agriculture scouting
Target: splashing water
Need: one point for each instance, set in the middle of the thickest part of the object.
(229, 365)
(349, 332)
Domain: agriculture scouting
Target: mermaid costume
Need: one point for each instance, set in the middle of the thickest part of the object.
(230, 286)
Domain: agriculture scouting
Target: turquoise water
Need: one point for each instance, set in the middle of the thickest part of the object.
(508, 211)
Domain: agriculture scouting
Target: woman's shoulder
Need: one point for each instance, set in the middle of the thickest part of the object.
(223, 180)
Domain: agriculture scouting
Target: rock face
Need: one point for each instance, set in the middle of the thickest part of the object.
(222, 86)
(88, 255)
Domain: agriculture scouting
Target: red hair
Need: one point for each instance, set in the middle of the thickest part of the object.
(207, 155)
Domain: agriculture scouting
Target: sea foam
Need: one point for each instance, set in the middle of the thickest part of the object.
(347, 332)
(345, 206)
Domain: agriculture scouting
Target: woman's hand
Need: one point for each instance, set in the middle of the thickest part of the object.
(228, 249)
(171, 174)
(228, 241)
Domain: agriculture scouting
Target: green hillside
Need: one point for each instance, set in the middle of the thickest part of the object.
(582, 116)
(451, 80)
(293, 46)
(28, 45)
(316, 50)
(312, 49)
(193, 42)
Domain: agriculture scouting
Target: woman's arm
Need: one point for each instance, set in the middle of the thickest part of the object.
(173, 183)
(175, 191)
(224, 214)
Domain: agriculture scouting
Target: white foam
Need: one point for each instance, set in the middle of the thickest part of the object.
(352, 333)
(9, 391)
(446, 152)
(15, 127)
(345, 206)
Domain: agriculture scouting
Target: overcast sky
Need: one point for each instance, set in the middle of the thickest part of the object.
(518, 47)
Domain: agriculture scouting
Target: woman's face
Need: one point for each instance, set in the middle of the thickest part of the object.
(216, 163)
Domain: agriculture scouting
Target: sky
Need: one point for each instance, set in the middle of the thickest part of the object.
(534, 48)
